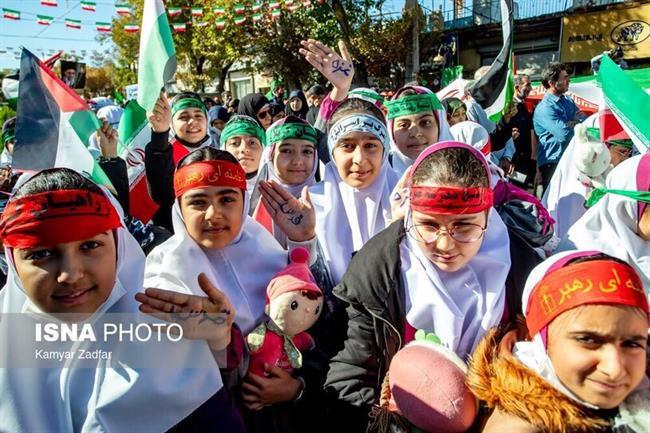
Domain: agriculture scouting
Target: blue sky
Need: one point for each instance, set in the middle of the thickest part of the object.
(41, 39)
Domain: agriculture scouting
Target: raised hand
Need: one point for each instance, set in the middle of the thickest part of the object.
(107, 139)
(161, 117)
(399, 197)
(201, 317)
(338, 69)
(296, 217)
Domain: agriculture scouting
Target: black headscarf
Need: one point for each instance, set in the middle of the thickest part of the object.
(251, 104)
(302, 113)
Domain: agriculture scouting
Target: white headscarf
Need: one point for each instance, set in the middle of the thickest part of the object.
(347, 217)
(459, 307)
(399, 161)
(241, 270)
(611, 224)
(114, 396)
(566, 193)
(475, 135)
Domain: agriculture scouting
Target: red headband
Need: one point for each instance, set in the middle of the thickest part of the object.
(209, 173)
(56, 217)
(449, 200)
(593, 282)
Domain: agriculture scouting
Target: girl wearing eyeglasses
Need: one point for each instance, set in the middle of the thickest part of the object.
(443, 268)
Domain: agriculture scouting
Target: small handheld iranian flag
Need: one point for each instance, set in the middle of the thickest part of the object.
(274, 5)
(275, 14)
(131, 28)
(288, 2)
(179, 27)
(11, 14)
(88, 6)
(257, 7)
(294, 7)
(174, 11)
(103, 27)
(306, 3)
(220, 24)
(257, 17)
(73, 24)
(200, 23)
(123, 9)
(44, 20)
(197, 12)
(52, 3)
(239, 9)
(54, 124)
(239, 20)
(219, 10)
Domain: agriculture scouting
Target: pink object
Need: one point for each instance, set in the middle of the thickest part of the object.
(296, 276)
(272, 352)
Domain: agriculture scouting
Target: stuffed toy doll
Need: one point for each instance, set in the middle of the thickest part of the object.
(293, 304)
(425, 391)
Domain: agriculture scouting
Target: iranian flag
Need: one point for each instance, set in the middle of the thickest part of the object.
(131, 28)
(256, 7)
(239, 9)
(44, 20)
(123, 9)
(11, 14)
(220, 24)
(306, 3)
(276, 14)
(219, 10)
(179, 27)
(200, 23)
(103, 27)
(52, 3)
(73, 24)
(274, 5)
(257, 17)
(197, 12)
(627, 100)
(240, 20)
(88, 6)
(496, 88)
(174, 11)
(288, 2)
(53, 124)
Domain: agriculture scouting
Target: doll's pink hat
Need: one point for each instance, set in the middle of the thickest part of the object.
(296, 276)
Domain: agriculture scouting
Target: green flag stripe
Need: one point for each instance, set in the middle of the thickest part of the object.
(84, 123)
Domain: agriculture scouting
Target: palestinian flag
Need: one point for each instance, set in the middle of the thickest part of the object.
(239, 9)
(53, 124)
(257, 17)
(103, 27)
(276, 14)
(157, 60)
(123, 9)
(49, 3)
(219, 10)
(496, 88)
(220, 24)
(179, 27)
(88, 6)
(73, 24)
(11, 14)
(197, 12)
(174, 11)
(256, 7)
(134, 133)
(44, 20)
(239, 20)
(131, 28)
(628, 101)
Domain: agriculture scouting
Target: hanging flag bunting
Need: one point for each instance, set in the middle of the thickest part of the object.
(219, 10)
(275, 14)
(44, 20)
(11, 14)
(88, 6)
(257, 17)
(179, 27)
(239, 19)
(52, 3)
(274, 5)
(257, 7)
(131, 28)
(221, 24)
(102, 27)
(239, 9)
(73, 24)
(123, 9)
(200, 23)
(174, 11)
(197, 12)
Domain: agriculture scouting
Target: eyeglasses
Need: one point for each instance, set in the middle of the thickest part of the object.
(463, 233)
(262, 114)
(622, 151)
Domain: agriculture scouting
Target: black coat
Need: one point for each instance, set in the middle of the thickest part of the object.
(374, 293)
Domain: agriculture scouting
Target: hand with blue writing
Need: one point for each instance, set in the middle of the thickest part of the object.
(207, 318)
(399, 196)
(338, 69)
(295, 216)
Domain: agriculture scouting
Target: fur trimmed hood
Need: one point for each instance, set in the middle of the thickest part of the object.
(503, 383)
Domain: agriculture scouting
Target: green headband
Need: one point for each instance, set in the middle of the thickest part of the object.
(412, 104)
(239, 126)
(184, 103)
(598, 193)
(299, 131)
(8, 135)
(595, 134)
(367, 96)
